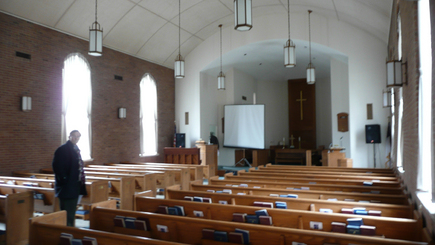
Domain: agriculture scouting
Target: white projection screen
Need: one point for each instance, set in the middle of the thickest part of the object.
(244, 126)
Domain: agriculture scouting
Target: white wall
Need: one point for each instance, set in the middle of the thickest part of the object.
(275, 96)
(323, 112)
(340, 103)
(366, 72)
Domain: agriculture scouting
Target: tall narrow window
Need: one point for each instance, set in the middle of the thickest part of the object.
(424, 182)
(148, 116)
(77, 101)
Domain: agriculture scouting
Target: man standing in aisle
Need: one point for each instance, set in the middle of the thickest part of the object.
(69, 176)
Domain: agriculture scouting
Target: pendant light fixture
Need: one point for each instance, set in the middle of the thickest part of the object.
(179, 61)
(289, 48)
(243, 15)
(311, 72)
(221, 76)
(95, 37)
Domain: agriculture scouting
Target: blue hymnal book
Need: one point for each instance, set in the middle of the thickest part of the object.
(282, 205)
(245, 235)
(361, 212)
(355, 221)
(180, 210)
(197, 199)
(130, 223)
(76, 241)
(82, 212)
(353, 229)
(221, 236)
(253, 219)
(261, 212)
(282, 195)
(172, 211)
(292, 195)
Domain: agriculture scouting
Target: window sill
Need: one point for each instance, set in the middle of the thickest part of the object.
(425, 199)
(153, 155)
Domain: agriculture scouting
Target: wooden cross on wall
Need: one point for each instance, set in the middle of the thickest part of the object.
(301, 100)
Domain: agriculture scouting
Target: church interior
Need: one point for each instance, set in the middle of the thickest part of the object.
(323, 108)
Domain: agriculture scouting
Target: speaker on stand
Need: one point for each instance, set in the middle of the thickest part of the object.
(373, 136)
(180, 140)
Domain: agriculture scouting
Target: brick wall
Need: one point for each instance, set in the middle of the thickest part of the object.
(408, 14)
(410, 51)
(29, 139)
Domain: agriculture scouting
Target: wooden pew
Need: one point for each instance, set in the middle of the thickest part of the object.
(270, 167)
(121, 188)
(383, 180)
(196, 171)
(189, 230)
(258, 177)
(47, 229)
(181, 175)
(309, 194)
(290, 173)
(143, 180)
(15, 211)
(182, 155)
(388, 210)
(97, 190)
(322, 187)
(396, 228)
(48, 205)
(326, 168)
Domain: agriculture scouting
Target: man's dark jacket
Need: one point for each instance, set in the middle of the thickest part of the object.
(66, 169)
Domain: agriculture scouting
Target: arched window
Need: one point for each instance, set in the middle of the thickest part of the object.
(77, 101)
(148, 116)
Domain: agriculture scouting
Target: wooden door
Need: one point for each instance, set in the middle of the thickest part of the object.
(302, 113)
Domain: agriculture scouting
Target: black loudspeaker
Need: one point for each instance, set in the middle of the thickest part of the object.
(180, 140)
(373, 133)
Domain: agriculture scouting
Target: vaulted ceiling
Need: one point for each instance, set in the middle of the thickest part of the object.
(148, 29)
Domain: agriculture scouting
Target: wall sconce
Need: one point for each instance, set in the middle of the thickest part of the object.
(122, 113)
(386, 95)
(26, 103)
(394, 73)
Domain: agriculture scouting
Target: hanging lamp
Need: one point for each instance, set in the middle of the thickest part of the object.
(95, 37)
(243, 15)
(289, 48)
(311, 72)
(221, 76)
(179, 61)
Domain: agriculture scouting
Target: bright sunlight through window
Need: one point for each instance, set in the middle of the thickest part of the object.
(425, 96)
(148, 116)
(77, 101)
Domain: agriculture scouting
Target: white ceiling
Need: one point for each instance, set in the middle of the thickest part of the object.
(148, 29)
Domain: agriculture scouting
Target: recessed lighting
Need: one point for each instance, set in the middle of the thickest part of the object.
(260, 64)
(244, 54)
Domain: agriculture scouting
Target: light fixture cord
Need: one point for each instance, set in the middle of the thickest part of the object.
(179, 27)
(95, 10)
(288, 3)
(309, 30)
(220, 26)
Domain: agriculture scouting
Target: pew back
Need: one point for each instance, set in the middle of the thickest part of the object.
(397, 228)
(388, 210)
(48, 228)
(309, 194)
(312, 186)
(189, 230)
(15, 211)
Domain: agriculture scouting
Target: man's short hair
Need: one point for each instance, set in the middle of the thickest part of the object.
(74, 131)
